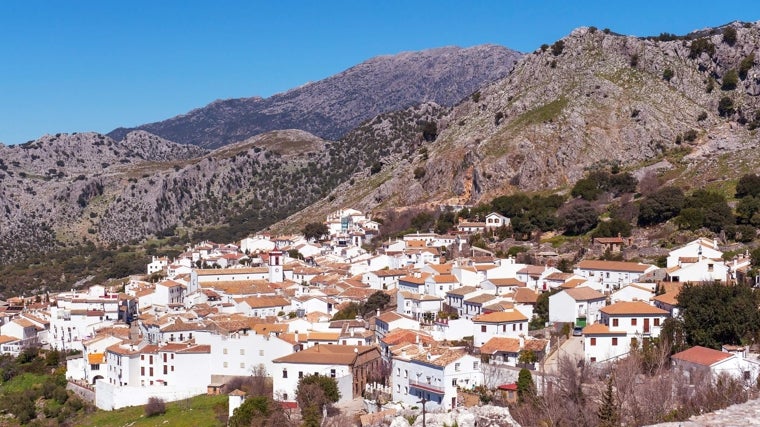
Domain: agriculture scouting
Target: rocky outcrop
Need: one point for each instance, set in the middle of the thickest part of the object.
(591, 99)
(331, 107)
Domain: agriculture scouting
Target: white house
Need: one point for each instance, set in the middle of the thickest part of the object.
(418, 306)
(576, 305)
(636, 318)
(391, 320)
(707, 363)
(351, 366)
(157, 264)
(613, 275)
(702, 247)
(604, 344)
(499, 324)
(434, 375)
(496, 220)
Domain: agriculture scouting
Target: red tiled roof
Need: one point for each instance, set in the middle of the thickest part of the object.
(702, 356)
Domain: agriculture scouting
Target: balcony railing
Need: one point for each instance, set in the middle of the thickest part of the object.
(427, 387)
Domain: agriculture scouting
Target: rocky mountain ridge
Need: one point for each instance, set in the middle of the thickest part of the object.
(331, 107)
(591, 99)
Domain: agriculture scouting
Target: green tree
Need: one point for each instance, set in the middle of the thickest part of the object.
(580, 219)
(377, 301)
(748, 185)
(257, 408)
(613, 228)
(541, 312)
(746, 209)
(608, 413)
(690, 219)
(661, 205)
(525, 387)
(315, 231)
(730, 80)
(423, 221)
(714, 314)
(313, 393)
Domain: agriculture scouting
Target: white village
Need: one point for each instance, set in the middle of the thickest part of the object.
(433, 329)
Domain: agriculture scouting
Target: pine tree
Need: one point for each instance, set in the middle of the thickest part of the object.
(525, 387)
(608, 411)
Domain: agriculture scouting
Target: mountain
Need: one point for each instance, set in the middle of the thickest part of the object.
(593, 99)
(331, 107)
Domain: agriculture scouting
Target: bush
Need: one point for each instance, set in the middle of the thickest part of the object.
(634, 60)
(702, 116)
(155, 406)
(730, 80)
(667, 74)
(729, 36)
(558, 47)
(699, 46)
(748, 185)
(661, 206)
(726, 107)
(419, 172)
(747, 63)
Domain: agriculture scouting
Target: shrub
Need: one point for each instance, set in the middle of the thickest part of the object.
(730, 80)
(419, 172)
(690, 135)
(667, 74)
(155, 406)
(726, 107)
(498, 117)
(476, 97)
(558, 47)
(702, 116)
(747, 63)
(699, 46)
(634, 60)
(729, 36)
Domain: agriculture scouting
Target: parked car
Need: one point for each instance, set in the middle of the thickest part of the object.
(577, 331)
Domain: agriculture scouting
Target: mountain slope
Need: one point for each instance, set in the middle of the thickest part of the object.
(592, 99)
(331, 107)
(595, 99)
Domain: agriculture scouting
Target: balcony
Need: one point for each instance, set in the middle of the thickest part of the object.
(427, 387)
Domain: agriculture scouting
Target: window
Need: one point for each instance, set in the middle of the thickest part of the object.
(657, 321)
(166, 370)
(456, 367)
(300, 374)
(614, 341)
(224, 351)
(151, 371)
(332, 373)
(406, 373)
(242, 365)
(614, 322)
(151, 359)
(593, 359)
(454, 382)
(514, 327)
(593, 341)
(165, 356)
(633, 322)
(398, 372)
(482, 328)
(475, 364)
(142, 357)
(142, 371)
(284, 373)
(242, 351)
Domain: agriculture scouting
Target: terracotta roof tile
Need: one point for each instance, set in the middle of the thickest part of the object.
(632, 307)
(613, 266)
(701, 356)
(500, 317)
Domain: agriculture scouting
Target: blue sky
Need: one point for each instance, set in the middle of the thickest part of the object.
(95, 65)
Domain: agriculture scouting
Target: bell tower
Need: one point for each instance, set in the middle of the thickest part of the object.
(276, 274)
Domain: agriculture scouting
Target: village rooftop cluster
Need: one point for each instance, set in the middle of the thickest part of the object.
(265, 304)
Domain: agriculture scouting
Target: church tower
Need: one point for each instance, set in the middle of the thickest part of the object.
(276, 274)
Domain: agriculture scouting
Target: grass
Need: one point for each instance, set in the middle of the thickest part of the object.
(22, 382)
(540, 114)
(195, 412)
